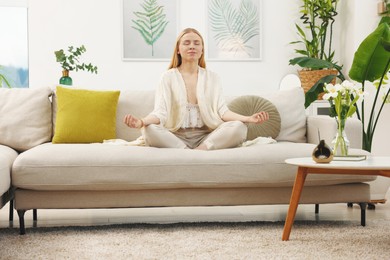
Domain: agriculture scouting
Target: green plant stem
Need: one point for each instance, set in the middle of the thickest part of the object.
(372, 123)
(340, 143)
(376, 96)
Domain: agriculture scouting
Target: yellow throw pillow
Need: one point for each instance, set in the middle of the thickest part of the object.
(85, 116)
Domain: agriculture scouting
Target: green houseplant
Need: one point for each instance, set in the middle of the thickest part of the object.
(70, 61)
(316, 58)
(3, 79)
(371, 63)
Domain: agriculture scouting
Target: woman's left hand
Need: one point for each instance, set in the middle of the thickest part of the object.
(259, 117)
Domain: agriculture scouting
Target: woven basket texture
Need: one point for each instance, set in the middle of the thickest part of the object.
(310, 77)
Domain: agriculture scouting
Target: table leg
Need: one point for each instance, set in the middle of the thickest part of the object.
(295, 196)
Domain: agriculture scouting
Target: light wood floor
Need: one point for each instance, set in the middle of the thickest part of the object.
(71, 217)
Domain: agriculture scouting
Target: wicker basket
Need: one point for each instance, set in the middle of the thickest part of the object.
(310, 77)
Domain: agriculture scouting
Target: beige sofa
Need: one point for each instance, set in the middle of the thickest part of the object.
(120, 175)
(7, 157)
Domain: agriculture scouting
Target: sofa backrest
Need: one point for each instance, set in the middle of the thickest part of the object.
(137, 103)
(28, 117)
(25, 117)
(289, 102)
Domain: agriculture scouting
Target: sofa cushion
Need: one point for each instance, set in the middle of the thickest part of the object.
(85, 116)
(118, 167)
(7, 157)
(25, 117)
(248, 105)
(290, 104)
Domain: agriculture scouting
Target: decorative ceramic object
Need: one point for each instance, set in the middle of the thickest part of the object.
(65, 79)
(322, 153)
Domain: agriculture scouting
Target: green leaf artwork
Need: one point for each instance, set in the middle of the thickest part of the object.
(151, 22)
(234, 27)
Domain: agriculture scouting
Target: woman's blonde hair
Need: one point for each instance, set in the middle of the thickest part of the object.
(176, 57)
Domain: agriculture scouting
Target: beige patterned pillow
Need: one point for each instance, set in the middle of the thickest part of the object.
(25, 117)
(248, 105)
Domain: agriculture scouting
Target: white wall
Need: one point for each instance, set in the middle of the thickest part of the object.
(56, 24)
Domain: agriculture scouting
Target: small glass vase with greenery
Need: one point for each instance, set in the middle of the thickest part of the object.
(342, 107)
(70, 61)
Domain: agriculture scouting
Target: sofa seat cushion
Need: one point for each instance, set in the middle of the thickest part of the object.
(115, 167)
(7, 157)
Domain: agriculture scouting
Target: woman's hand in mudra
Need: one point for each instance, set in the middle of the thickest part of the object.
(259, 117)
(133, 122)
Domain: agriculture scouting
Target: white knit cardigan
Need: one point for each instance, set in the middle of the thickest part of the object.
(171, 99)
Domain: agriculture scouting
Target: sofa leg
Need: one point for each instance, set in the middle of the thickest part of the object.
(35, 214)
(22, 229)
(317, 208)
(11, 210)
(363, 206)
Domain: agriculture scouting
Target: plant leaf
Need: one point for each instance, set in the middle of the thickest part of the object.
(312, 94)
(371, 57)
(150, 23)
(313, 63)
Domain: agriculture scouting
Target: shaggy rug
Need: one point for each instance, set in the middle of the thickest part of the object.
(243, 240)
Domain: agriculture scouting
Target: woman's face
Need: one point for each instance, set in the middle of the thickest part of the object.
(190, 47)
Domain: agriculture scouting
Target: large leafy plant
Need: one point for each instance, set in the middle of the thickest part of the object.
(70, 60)
(234, 27)
(151, 22)
(371, 63)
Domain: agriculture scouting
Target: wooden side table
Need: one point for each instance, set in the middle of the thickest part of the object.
(373, 165)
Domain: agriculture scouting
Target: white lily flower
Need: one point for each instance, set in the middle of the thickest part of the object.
(331, 90)
(348, 85)
(326, 96)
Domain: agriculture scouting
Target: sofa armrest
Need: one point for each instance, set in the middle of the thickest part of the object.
(326, 126)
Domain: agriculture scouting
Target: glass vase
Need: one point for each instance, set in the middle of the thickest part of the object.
(340, 143)
(65, 79)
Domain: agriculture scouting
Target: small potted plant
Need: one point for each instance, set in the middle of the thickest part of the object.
(71, 61)
(316, 34)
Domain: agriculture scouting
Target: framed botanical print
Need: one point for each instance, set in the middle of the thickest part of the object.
(149, 29)
(234, 29)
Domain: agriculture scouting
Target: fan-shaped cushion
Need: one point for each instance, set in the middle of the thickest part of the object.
(248, 105)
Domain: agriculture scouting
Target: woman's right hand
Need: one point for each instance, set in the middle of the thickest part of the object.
(133, 122)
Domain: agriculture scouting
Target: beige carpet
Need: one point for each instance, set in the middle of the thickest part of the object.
(248, 240)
